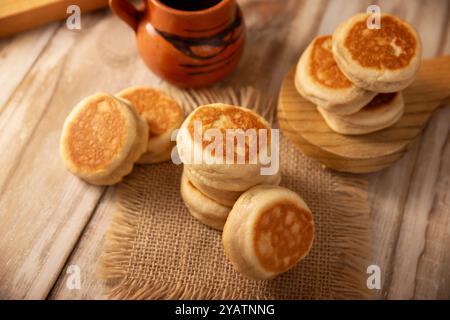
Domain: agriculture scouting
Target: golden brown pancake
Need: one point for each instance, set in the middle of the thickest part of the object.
(323, 67)
(319, 79)
(163, 115)
(383, 111)
(101, 139)
(391, 47)
(203, 208)
(220, 117)
(223, 117)
(380, 60)
(268, 231)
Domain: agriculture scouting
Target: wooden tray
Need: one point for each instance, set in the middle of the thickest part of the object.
(20, 15)
(304, 126)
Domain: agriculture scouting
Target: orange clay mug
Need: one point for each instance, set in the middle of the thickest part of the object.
(188, 43)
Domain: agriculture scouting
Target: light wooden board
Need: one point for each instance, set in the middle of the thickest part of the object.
(303, 124)
(58, 221)
(19, 15)
(393, 190)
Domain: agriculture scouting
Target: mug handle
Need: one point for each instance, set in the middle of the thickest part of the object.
(126, 11)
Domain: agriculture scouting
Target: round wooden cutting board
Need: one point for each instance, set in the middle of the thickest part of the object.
(304, 126)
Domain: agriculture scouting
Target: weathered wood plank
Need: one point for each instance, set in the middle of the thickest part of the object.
(420, 268)
(432, 280)
(17, 56)
(420, 204)
(43, 208)
(85, 255)
(339, 10)
(393, 191)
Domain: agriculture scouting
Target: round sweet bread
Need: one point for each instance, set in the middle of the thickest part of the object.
(163, 115)
(319, 80)
(102, 138)
(268, 231)
(380, 60)
(382, 112)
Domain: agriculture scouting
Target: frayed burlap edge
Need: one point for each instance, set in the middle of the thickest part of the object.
(351, 248)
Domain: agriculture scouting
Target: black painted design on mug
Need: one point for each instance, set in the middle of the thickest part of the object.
(223, 63)
(221, 40)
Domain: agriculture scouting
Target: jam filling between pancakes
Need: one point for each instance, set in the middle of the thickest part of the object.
(160, 112)
(380, 100)
(96, 135)
(391, 47)
(282, 235)
(323, 66)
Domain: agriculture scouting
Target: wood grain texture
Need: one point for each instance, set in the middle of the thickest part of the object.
(86, 254)
(390, 189)
(306, 128)
(43, 208)
(433, 266)
(419, 208)
(26, 48)
(51, 220)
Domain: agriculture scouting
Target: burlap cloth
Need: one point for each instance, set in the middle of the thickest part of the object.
(156, 250)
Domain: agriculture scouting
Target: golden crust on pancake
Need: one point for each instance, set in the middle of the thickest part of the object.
(208, 162)
(282, 235)
(223, 117)
(382, 112)
(101, 139)
(267, 232)
(380, 60)
(319, 80)
(163, 115)
(323, 67)
(391, 47)
(99, 133)
(203, 208)
(161, 112)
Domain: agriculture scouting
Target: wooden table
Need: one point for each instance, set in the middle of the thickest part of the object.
(50, 220)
